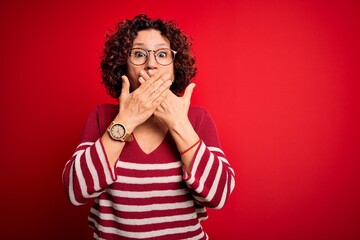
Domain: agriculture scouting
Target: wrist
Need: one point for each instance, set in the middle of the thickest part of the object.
(180, 126)
(118, 132)
(126, 122)
(191, 147)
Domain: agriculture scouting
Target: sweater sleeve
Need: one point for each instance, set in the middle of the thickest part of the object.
(88, 172)
(211, 177)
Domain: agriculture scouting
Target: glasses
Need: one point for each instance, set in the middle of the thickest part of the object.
(163, 56)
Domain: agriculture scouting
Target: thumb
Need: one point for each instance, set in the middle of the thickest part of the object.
(125, 89)
(188, 91)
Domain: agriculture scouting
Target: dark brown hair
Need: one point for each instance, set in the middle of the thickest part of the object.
(119, 42)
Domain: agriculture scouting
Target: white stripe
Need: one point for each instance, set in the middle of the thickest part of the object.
(104, 162)
(85, 144)
(140, 166)
(150, 234)
(224, 160)
(92, 169)
(78, 152)
(199, 236)
(63, 172)
(203, 218)
(200, 210)
(225, 193)
(227, 162)
(143, 221)
(205, 174)
(95, 236)
(223, 197)
(196, 163)
(232, 186)
(144, 208)
(81, 179)
(216, 149)
(214, 186)
(150, 180)
(147, 194)
(71, 187)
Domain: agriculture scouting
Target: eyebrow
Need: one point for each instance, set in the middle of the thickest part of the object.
(157, 45)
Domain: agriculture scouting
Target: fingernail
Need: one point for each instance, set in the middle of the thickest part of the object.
(142, 72)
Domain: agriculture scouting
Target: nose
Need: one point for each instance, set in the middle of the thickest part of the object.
(151, 62)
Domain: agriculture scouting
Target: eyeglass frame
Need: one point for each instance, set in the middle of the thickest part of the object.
(148, 55)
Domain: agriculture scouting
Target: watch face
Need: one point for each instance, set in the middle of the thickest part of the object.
(117, 131)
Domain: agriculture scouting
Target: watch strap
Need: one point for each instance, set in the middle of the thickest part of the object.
(127, 136)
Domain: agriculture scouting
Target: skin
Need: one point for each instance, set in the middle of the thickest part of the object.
(149, 109)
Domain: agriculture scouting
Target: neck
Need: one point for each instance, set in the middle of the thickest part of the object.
(154, 123)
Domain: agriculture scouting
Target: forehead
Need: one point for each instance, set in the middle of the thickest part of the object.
(150, 38)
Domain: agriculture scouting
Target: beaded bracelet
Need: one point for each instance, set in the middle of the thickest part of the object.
(185, 151)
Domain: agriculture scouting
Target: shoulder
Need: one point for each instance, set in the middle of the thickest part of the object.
(197, 111)
(105, 114)
(107, 107)
(198, 116)
(204, 125)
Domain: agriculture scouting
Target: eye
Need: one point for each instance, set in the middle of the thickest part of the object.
(162, 54)
(139, 54)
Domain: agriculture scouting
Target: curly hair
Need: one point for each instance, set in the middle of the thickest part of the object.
(119, 42)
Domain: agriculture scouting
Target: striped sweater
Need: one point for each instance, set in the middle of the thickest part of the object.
(148, 196)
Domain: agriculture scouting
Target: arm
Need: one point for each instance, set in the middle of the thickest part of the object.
(88, 171)
(211, 177)
(206, 170)
(136, 108)
(92, 167)
(173, 111)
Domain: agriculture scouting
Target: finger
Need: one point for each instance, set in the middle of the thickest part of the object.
(125, 89)
(144, 75)
(159, 92)
(151, 72)
(161, 108)
(141, 80)
(149, 81)
(188, 91)
(157, 101)
(158, 86)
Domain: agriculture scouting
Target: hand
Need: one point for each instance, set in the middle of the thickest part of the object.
(138, 106)
(173, 112)
(174, 109)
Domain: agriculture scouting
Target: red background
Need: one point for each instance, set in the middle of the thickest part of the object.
(280, 78)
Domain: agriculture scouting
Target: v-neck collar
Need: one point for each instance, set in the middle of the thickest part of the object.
(155, 149)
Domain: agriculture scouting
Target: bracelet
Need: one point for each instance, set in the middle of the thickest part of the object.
(185, 151)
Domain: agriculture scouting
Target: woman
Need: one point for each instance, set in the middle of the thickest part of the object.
(152, 163)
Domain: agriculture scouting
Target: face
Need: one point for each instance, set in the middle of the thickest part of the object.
(149, 39)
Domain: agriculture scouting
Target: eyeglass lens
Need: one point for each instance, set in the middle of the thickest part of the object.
(163, 56)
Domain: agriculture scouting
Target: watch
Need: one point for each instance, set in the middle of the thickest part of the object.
(117, 131)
